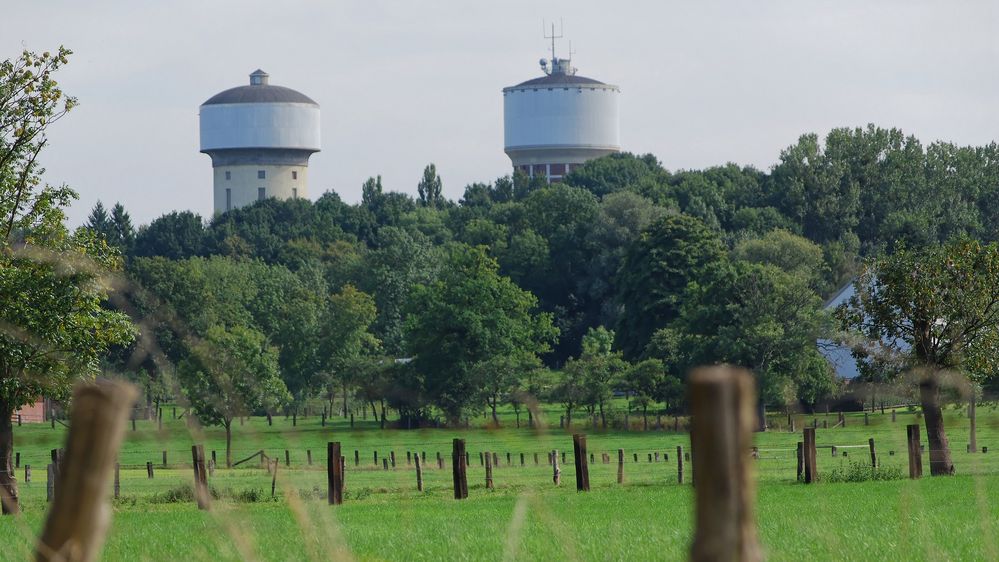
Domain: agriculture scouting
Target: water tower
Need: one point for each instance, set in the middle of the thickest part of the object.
(554, 123)
(260, 138)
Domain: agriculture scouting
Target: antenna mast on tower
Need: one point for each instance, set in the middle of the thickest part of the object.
(553, 37)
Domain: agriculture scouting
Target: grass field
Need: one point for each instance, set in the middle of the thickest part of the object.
(525, 517)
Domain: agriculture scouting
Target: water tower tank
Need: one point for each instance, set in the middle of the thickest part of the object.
(260, 138)
(554, 123)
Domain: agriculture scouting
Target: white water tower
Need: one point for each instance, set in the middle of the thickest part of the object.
(260, 138)
(554, 123)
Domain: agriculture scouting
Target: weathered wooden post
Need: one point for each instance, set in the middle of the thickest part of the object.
(200, 476)
(274, 478)
(556, 472)
(392, 456)
(419, 474)
(334, 473)
(893, 415)
(458, 469)
(579, 456)
(679, 464)
(874, 454)
(117, 480)
(867, 420)
(80, 515)
(723, 401)
(49, 482)
(915, 453)
(811, 469)
(801, 460)
(149, 470)
(164, 459)
(620, 466)
(489, 471)
(287, 458)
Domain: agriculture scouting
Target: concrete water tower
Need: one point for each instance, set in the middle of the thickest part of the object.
(260, 138)
(554, 123)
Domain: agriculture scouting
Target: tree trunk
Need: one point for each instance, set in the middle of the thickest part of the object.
(929, 395)
(8, 483)
(517, 413)
(492, 404)
(345, 400)
(645, 417)
(761, 413)
(383, 415)
(228, 444)
(568, 417)
(603, 418)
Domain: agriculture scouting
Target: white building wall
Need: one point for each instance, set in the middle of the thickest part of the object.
(259, 125)
(242, 187)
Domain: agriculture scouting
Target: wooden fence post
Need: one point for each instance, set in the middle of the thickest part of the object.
(274, 478)
(308, 456)
(489, 471)
(579, 456)
(80, 516)
(164, 459)
(723, 401)
(458, 469)
(419, 474)
(679, 464)
(874, 455)
(117, 480)
(49, 482)
(620, 466)
(287, 458)
(334, 473)
(27, 474)
(149, 470)
(200, 476)
(801, 460)
(357, 457)
(893, 415)
(808, 441)
(915, 454)
(556, 472)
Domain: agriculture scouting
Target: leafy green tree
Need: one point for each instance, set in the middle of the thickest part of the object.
(644, 381)
(756, 316)
(468, 315)
(430, 188)
(176, 235)
(789, 252)
(54, 326)
(98, 221)
(656, 270)
(937, 307)
(231, 373)
(500, 378)
(344, 337)
(602, 368)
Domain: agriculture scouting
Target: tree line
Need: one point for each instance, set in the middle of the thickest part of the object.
(613, 282)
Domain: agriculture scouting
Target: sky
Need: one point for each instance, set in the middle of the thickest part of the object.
(405, 83)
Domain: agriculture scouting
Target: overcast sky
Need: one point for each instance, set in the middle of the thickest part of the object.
(405, 83)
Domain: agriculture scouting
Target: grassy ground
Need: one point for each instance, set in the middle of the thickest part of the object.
(384, 517)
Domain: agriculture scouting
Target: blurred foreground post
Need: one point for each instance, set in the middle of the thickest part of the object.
(723, 401)
(459, 461)
(80, 514)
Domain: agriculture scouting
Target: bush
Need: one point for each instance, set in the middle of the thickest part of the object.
(862, 472)
(184, 493)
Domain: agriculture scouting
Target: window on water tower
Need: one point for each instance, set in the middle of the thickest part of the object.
(294, 175)
(261, 193)
(261, 174)
(228, 175)
(294, 193)
(228, 198)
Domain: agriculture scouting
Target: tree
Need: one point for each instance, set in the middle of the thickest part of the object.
(231, 373)
(430, 187)
(468, 315)
(656, 269)
(937, 307)
(602, 368)
(344, 337)
(755, 316)
(98, 221)
(645, 381)
(54, 327)
(174, 235)
(500, 378)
